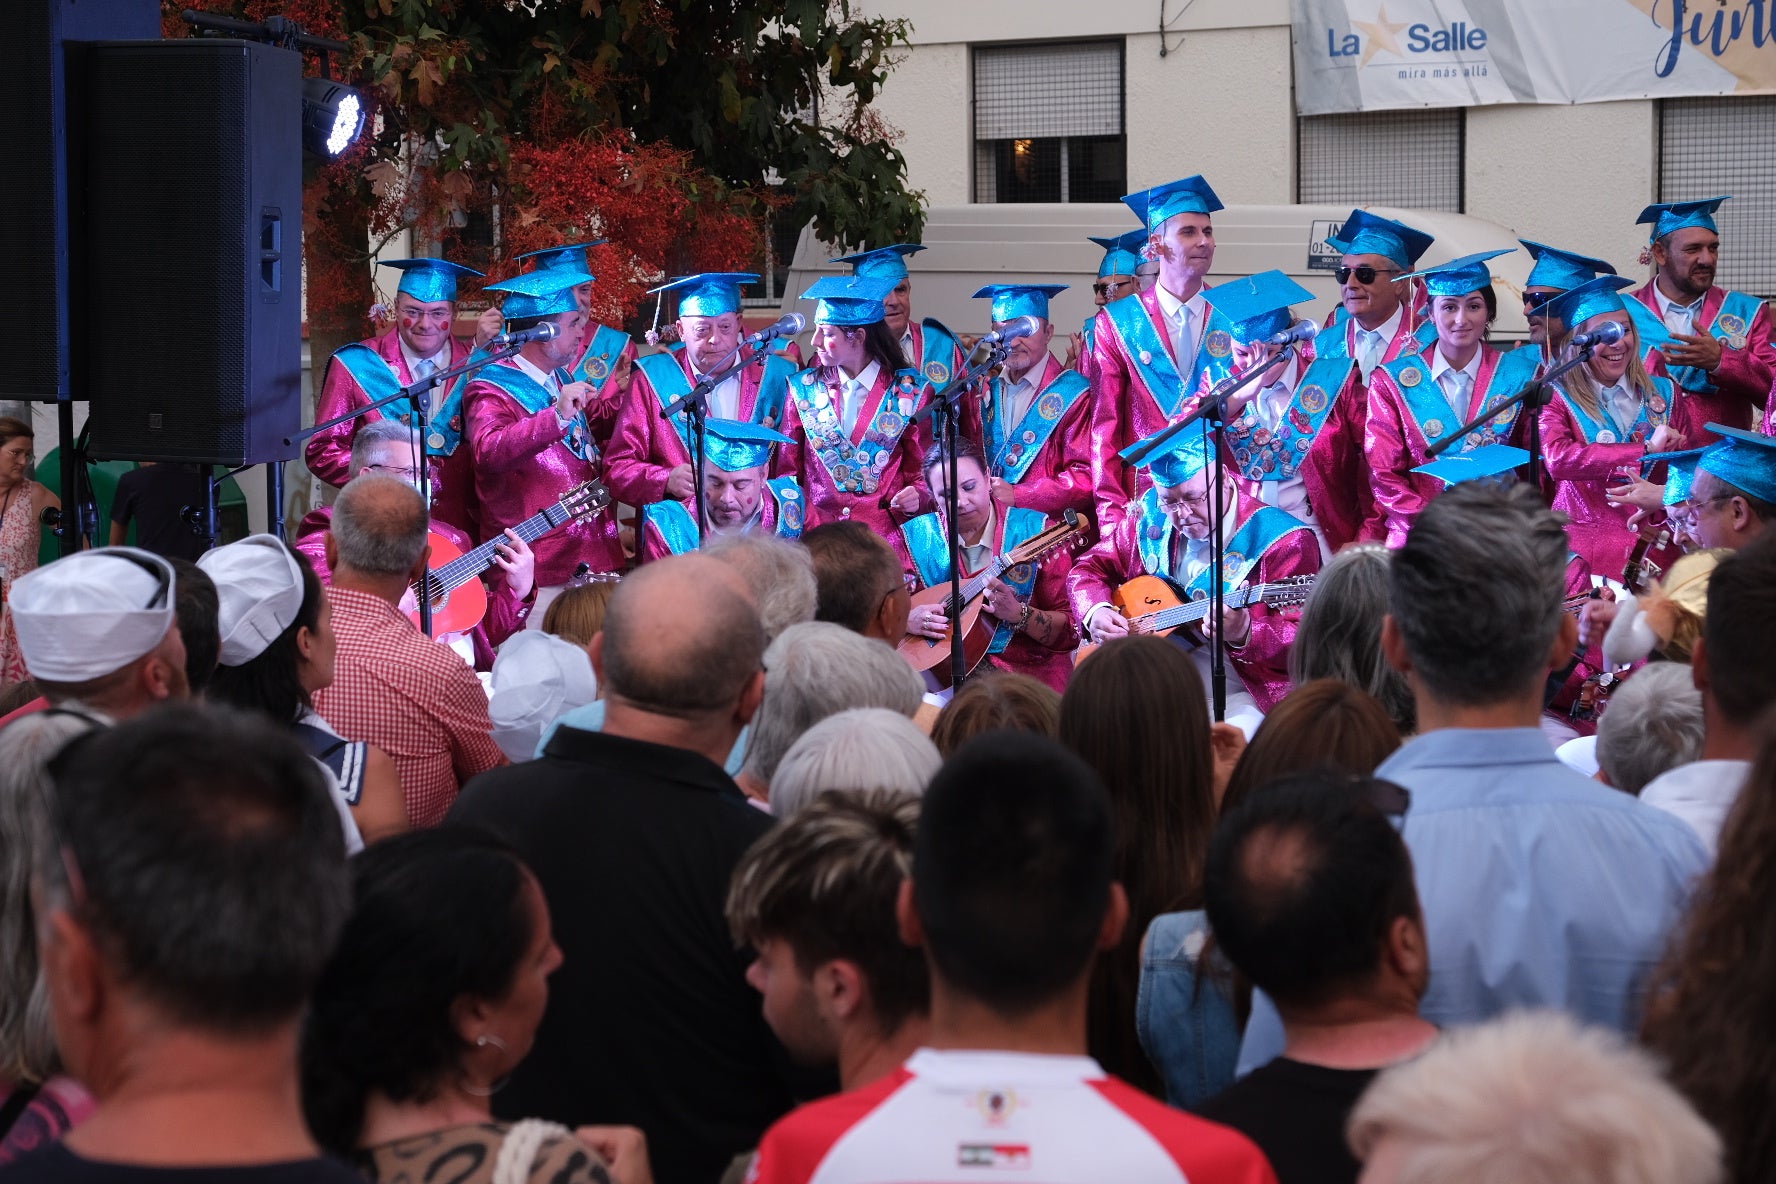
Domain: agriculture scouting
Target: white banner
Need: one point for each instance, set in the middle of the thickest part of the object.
(1373, 55)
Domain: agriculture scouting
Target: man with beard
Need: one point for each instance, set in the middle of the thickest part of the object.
(739, 495)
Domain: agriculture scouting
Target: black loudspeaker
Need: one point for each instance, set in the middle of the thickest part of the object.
(193, 229)
(41, 59)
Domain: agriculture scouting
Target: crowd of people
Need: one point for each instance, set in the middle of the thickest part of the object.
(672, 854)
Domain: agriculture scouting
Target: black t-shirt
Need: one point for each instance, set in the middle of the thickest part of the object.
(58, 1165)
(153, 496)
(1296, 1113)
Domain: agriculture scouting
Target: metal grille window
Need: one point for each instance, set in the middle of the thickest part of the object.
(1714, 146)
(1048, 123)
(1382, 158)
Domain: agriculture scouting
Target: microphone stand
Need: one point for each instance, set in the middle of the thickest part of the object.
(1533, 397)
(947, 402)
(695, 407)
(416, 395)
(1211, 413)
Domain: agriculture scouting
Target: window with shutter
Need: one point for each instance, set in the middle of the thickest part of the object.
(1048, 123)
(1382, 158)
(1727, 145)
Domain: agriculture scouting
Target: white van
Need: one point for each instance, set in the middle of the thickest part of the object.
(970, 246)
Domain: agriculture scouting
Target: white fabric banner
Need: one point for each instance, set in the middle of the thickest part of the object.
(1374, 55)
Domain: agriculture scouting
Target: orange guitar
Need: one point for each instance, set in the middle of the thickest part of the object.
(1153, 606)
(459, 600)
(933, 654)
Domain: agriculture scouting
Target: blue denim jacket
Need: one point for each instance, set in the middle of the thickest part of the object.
(1185, 1017)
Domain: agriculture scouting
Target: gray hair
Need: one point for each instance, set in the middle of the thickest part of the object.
(819, 669)
(780, 574)
(1654, 723)
(1476, 593)
(1340, 632)
(27, 1041)
(377, 434)
(379, 526)
(1534, 1098)
(856, 751)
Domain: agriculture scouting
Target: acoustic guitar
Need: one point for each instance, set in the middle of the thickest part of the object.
(1153, 605)
(459, 600)
(975, 626)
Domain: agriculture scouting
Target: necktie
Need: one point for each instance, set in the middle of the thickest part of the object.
(1455, 384)
(853, 395)
(1369, 350)
(423, 368)
(1186, 343)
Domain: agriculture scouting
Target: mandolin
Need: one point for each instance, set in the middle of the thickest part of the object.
(459, 600)
(977, 628)
(1152, 604)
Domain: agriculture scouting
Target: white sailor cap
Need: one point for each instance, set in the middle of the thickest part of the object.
(92, 613)
(258, 594)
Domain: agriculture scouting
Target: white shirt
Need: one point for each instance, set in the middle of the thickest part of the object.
(1679, 318)
(909, 347)
(439, 361)
(976, 556)
(1440, 366)
(724, 400)
(1383, 336)
(1184, 338)
(1700, 793)
(854, 393)
(965, 1115)
(1622, 405)
(1018, 397)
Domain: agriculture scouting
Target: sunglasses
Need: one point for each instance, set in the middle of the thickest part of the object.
(1534, 300)
(1365, 274)
(1107, 289)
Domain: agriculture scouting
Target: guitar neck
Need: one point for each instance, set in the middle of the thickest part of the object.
(1196, 610)
(471, 563)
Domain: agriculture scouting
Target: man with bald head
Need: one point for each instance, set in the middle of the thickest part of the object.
(392, 686)
(633, 833)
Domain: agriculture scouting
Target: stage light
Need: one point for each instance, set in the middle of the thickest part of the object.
(332, 116)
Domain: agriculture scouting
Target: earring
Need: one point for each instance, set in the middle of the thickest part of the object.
(489, 1091)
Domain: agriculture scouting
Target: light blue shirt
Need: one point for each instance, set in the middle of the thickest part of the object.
(589, 717)
(1540, 887)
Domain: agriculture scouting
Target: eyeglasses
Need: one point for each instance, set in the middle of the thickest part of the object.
(405, 472)
(1107, 289)
(1534, 300)
(1365, 274)
(1173, 505)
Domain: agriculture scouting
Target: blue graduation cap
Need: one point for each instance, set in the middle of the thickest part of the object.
(1122, 252)
(429, 280)
(1177, 461)
(540, 293)
(1258, 305)
(849, 299)
(1589, 299)
(1668, 216)
(1680, 471)
(1458, 277)
(1191, 195)
(1011, 301)
(735, 444)
(1744, 460)
(1487, 461)
(883, 263)
(708, 294)
(1555, 268)
(1364, 233)
(570, 255)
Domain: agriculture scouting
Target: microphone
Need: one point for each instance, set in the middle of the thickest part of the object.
(546, 331)
(1014, 329)
(1607, 333)
(1299, 331)
(787, 325)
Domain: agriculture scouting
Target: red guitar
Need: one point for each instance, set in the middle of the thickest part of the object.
(459, 600)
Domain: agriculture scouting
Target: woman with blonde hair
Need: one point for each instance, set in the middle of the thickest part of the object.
(1607, 416)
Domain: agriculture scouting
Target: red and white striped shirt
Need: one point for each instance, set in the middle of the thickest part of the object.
(411, 697)
(958, 1117)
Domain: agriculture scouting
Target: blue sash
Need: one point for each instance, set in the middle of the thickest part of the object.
(936, 355)
(773, 388)
(1257, 535)
(1331, 344)
(1655, 412)
(792, 506)
(1266, 455)
(534, 397)
(371, 371)
(670, 383)
(1142, 342)
(929, 545)
(1010, 454)
(854, 468)
(1730, 327)
(1431, 411)
(600, 359)
(1090, 332)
